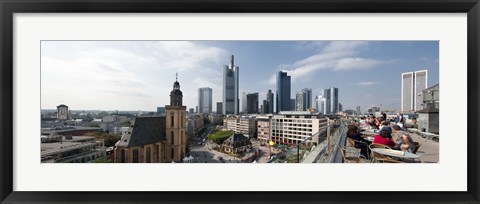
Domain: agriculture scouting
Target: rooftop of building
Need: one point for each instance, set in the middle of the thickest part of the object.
(297, 113)
(67, 144)
(145, 130)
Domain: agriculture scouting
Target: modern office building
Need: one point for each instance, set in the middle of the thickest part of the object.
(263, 128)
(300, 101)
(283, 92)
(205, 100)
(269, 98)
(252, 103)
(230, 99)
(294, 127)
(331, 100)
(242, 125)
(219, 108)
(292, 105)
(244, 102)
(320, 104)
(413, 83)
(303, 100)
(340, 107)
(161, 111)
(358, 111)
(191, 110)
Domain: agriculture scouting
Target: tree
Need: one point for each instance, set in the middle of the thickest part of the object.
(127, 123)
(109, 139)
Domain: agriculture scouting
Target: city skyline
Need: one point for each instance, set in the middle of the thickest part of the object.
(137, 75)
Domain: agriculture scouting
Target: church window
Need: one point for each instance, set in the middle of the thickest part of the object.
(122, 156)
(148, 157)
(135, 156)
(172, 153)
(172, 137)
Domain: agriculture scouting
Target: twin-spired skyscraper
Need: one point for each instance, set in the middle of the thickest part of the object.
(413, 83)
(230, 101)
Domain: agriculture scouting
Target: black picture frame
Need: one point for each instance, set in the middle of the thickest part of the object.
(10, 7)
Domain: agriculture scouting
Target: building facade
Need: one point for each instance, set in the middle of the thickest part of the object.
(230, 101)
(331, 100)
(252, 103)
(244, 103)
(175, 126)
(156, 139)
(294, 127)
(62, 112)
(304, 100)
(71, 149)
(264, 128)
(269, 106)
(161, 111)
(205, 100)
(243, 125)
(194, 124)
(413, 83)
(219, 108)
(283, 92)
(144, 142)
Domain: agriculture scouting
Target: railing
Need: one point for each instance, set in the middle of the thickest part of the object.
(327, 151)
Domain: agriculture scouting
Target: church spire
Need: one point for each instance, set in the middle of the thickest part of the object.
(176, 95)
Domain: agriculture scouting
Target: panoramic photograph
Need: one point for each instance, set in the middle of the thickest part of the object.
(239, 102)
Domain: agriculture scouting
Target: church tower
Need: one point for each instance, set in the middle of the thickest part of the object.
(176, 141)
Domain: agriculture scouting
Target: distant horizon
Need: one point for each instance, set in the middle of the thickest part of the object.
(138, 75)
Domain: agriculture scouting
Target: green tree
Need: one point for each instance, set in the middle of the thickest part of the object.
(109, 139)
(220, 136)
(127, 123)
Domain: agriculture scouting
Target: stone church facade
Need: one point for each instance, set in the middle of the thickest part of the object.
(156, 139)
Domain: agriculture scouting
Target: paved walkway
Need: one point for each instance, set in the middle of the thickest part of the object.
(429, 149)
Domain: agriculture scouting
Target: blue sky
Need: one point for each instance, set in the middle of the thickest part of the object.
(138, 75)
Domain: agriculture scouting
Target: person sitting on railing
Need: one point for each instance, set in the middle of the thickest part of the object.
(360, 142)
(404, 140)
(384, 137)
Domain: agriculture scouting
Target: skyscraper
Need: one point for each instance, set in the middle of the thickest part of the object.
(283, 92)
(244, 103)
(304, 100)
(412, 85)
(331, 100)
(327, 98)
(357, 111)
(252, 103)
(300, 101)
(322, 104)
(340, 107)
(205, 100)
(219, 108)
(230, 88)
(264, 107)
(269, 106)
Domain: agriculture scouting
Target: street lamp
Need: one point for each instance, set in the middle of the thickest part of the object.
(298, 147)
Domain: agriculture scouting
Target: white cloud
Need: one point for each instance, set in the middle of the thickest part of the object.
(126, 71)
(337, 56)
(366, 83)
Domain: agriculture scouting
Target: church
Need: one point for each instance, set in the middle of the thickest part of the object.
(156, 139)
